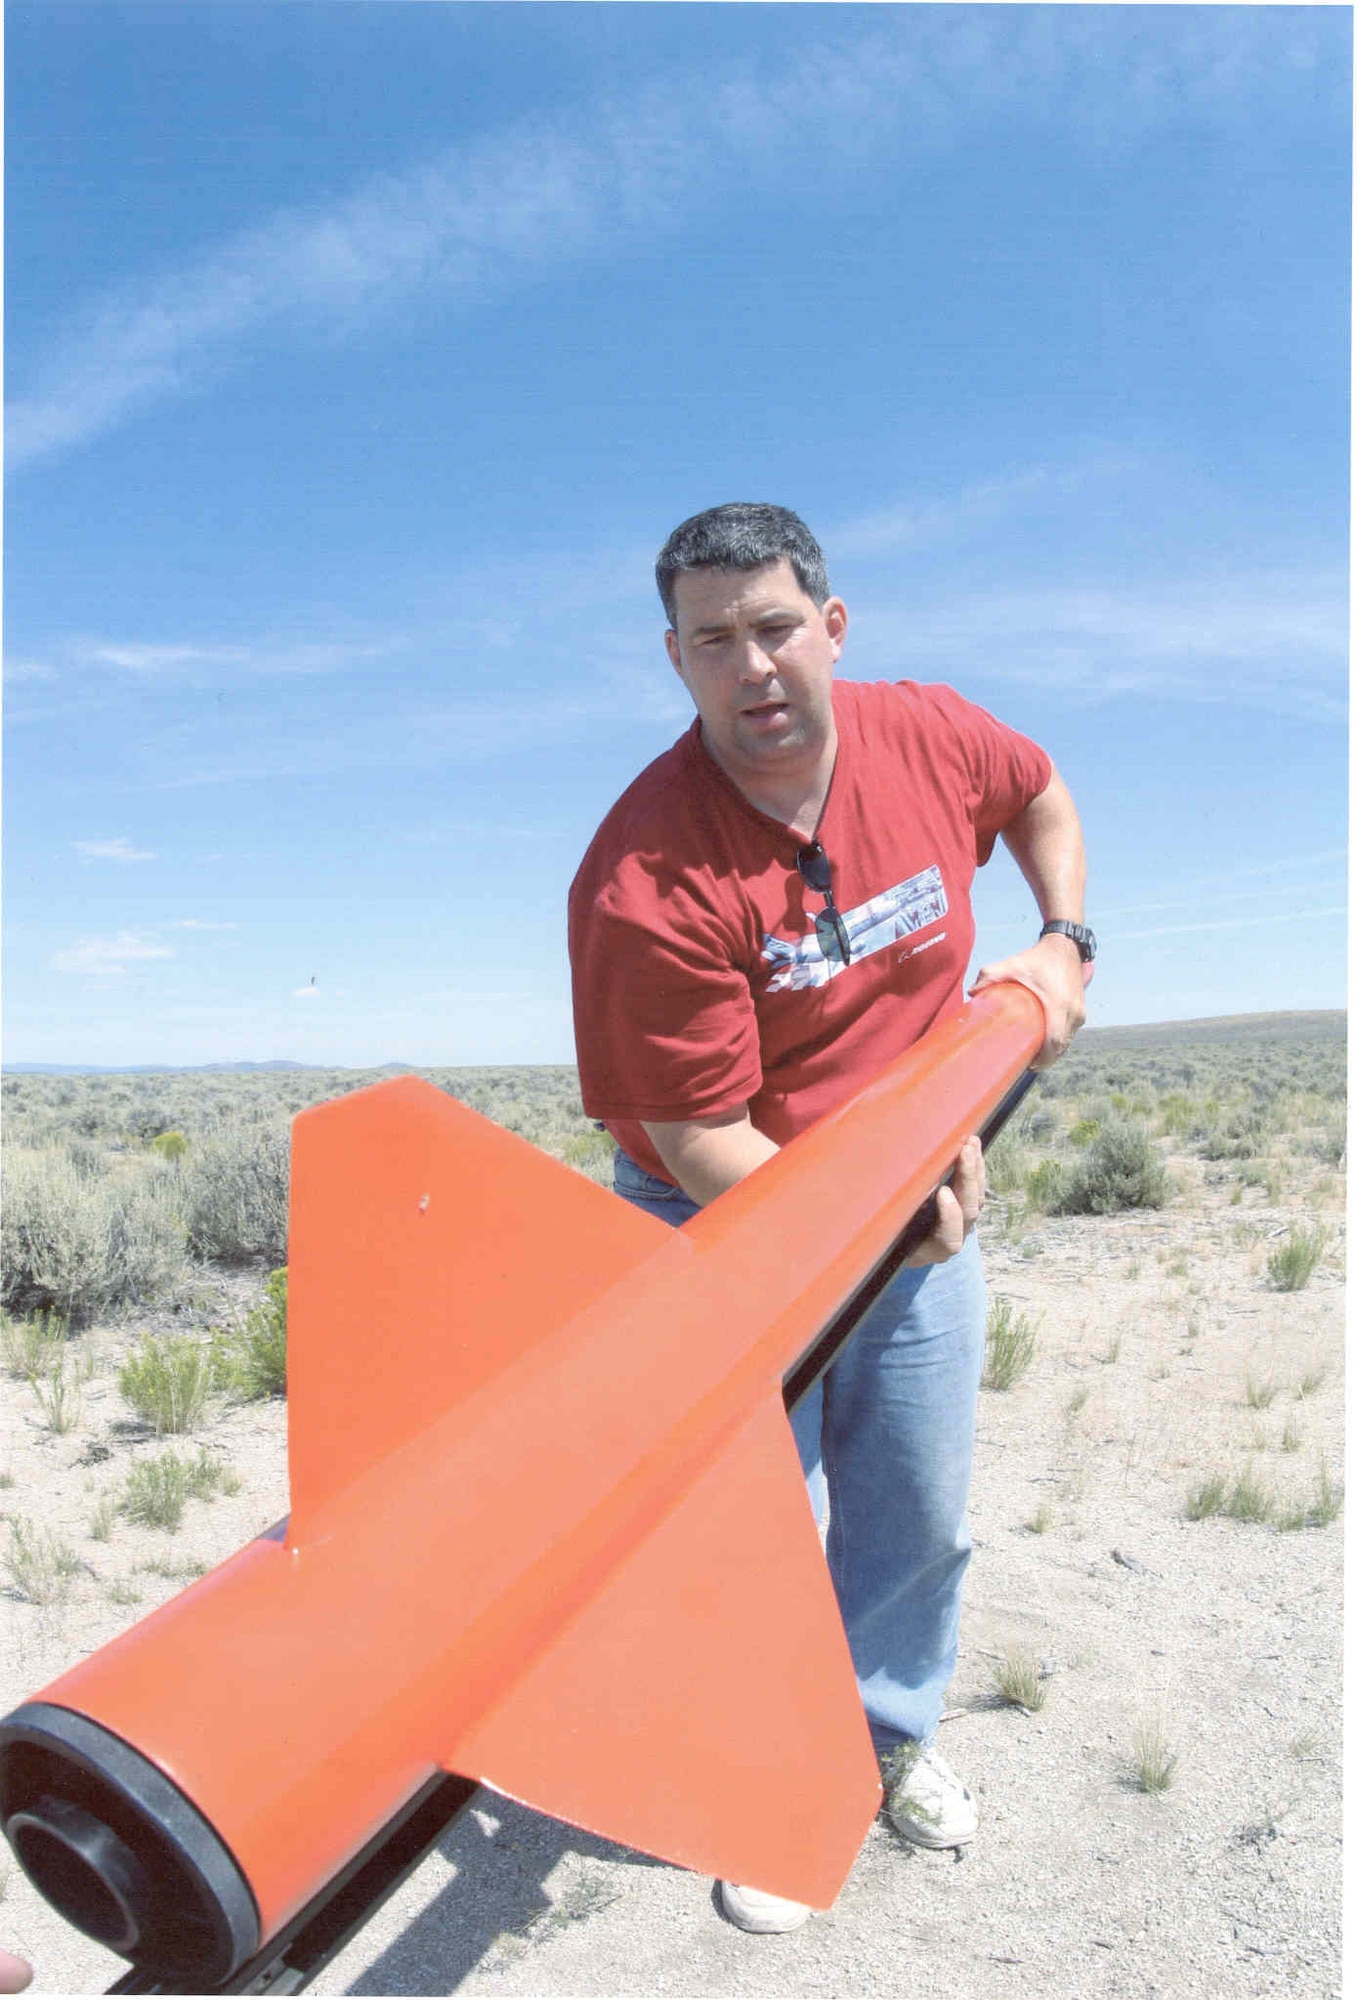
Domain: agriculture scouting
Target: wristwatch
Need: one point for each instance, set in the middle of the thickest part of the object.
(1080, 936)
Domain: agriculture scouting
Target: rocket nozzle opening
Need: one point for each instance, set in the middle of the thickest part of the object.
(120, 1851)
(84, 1870)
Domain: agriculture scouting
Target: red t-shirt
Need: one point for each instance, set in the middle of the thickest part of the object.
(699, 982)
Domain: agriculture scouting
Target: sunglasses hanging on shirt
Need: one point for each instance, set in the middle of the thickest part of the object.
(813, 865)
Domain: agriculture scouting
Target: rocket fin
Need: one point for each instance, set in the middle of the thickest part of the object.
(703, 1707)
(428, 1249)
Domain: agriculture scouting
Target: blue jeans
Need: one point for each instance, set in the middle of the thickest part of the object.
(885, 1440)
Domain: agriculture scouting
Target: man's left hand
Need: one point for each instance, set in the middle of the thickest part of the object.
(1051, 968)
(959, 1203)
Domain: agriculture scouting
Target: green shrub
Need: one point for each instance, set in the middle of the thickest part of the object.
(158, 1488)
(60, 1393)
(82, 1245)
(1292, 1265)
(590, 1153)
(1010, 1345)
(1006, 1163)
(170, 1145)
(1045, 1186)
(1084, 1131)
(235, 1191)
(31, 1346)
(1120, 1170)
(251, 1361)
(1330, 1143)
(1239, 1135)
(1176, 1113)
(40, 1564)
(168, 1381)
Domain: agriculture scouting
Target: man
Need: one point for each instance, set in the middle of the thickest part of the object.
(773, 911)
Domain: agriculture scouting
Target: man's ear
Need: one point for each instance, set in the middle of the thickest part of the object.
(672, 648)
(835, 612)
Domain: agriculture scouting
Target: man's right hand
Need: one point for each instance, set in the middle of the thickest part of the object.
(959, 1203)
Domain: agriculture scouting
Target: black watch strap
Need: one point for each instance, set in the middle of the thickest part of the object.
(1080, 936)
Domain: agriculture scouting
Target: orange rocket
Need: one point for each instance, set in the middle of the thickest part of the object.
(548, 1528)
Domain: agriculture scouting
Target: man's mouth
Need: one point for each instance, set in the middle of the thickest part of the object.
(765, 709)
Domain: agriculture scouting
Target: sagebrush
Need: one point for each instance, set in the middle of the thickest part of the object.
(169, 1380)
(1010, 1345)
(251, 1361)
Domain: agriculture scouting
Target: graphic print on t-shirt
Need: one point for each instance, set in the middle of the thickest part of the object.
(896, 913)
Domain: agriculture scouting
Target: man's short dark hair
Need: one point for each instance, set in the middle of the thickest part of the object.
(743, 534)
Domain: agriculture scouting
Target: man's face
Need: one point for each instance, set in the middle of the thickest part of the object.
(758, 657)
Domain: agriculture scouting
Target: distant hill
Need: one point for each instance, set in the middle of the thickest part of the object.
(1327, 1024)
(152, 1069)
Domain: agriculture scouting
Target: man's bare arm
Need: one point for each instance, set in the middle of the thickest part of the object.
(708, 1155)
(1046, 841)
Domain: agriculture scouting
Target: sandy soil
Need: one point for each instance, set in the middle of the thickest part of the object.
(1079, 1883)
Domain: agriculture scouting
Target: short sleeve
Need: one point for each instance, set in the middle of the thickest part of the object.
(665, 1026)
(1006, 770)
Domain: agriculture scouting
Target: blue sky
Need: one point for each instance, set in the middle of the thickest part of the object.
(360, 357)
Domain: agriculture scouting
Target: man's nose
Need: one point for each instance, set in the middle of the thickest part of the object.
(755, 664)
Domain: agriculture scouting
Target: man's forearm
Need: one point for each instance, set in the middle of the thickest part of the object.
(1046, 841)
(708, 1155)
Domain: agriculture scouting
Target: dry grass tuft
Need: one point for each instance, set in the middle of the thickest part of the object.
(1259, 1394)
(1154, 1761)
(1017, 1677)
(41, 1564)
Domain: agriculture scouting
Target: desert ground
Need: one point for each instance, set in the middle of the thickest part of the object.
(1155, 1593)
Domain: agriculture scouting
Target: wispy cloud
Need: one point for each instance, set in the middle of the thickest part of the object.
(261, 657)
(109, 956)
(1296, 868)
(542, 194)
(200, 924)
(311, 992)
(943, 517)
(17, 671)
(480, 831)
(410, 732)
(1234, 923)
(112, 850)
(1277, 638)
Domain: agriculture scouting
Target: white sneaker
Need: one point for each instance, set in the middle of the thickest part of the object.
(927, 1801)
(752, 1910)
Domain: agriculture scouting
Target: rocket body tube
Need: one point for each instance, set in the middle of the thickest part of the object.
(456, 1565)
